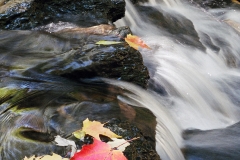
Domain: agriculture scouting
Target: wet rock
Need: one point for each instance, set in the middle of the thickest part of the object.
(73, 54)
(206, 40)
(138, 1)
(34, 111)
(142, 148)
(177, 25)
(28, 14)
(212, 3)
(213, 144)
(49, 76)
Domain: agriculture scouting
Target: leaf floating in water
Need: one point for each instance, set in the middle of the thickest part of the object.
(107, 42)
(135, 42)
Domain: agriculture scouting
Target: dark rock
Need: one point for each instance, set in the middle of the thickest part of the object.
(28, 14)
(49, 77)
(213, 144)
(177, 25)
(206, 40)
(34, 111)
(142, 148)
(138, 1)
(73, 54)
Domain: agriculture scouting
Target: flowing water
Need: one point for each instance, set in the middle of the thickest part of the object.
(191, 87)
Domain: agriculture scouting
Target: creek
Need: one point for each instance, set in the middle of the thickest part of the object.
(51, 82)
(194, 92)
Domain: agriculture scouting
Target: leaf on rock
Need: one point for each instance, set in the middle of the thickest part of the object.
(120, 144)
(94, 128)
(46, 157)
(98, 151)
(107, 42)
(135, 42)
(79, 134)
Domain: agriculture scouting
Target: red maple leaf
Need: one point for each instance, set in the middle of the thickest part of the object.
(98, 151)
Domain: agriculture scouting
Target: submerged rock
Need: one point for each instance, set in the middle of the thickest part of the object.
(28, 14)
(213, 3)
(171, 24)
(220, 144)
(33, 112)
(73, 54)
(50, 83)
(51, 77)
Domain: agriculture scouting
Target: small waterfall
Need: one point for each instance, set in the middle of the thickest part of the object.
(168, 134)
(168, 3)
(201, 84)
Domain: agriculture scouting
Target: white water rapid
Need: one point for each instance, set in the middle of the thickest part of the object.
(201, 84)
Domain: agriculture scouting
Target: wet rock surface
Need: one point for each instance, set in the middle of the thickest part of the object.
(172, 23)
(213, 144)
(52, 76)
(33, 115)
(213, 3)
(72, 54)
(142, 148)
(138, 1)
(49, 85)
(28, 14)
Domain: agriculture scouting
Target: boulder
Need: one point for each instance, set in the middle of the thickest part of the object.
(52, 74)
(179, 27)
(33, 111)
(49, 85)
(28, 14)
(73, 54)
(213, 144)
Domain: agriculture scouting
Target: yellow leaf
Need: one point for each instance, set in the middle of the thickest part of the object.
(46, 157)
(107, 42)
(135, 42)
(79, 134)
(94, 128)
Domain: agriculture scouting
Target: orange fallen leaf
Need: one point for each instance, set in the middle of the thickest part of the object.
(98, 151)
(94, 128)
(135, 42)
